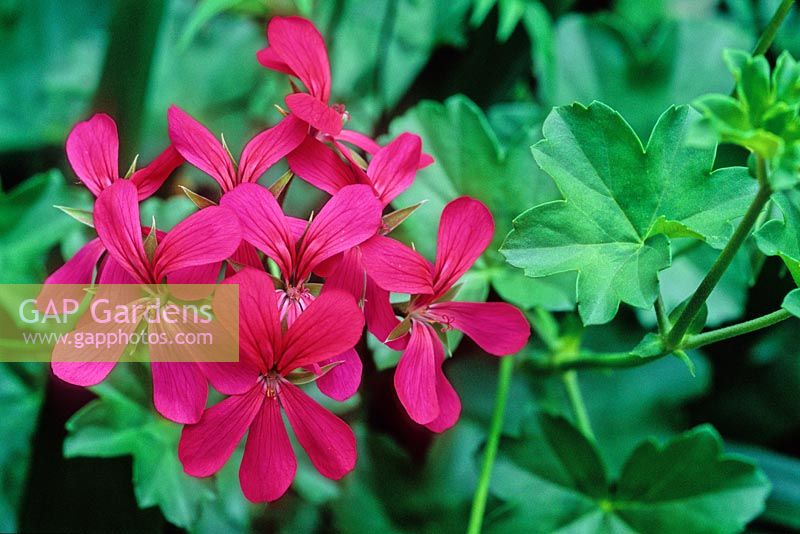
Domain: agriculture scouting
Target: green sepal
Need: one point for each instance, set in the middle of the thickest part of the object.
(82, 216)
(197, 199)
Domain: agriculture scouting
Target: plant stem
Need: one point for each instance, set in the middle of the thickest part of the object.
(675, 336)
(661, 315)
(706, 338)
(489, 454)
(127, 68)
(570, 379)
(616, 360)
(765, 41)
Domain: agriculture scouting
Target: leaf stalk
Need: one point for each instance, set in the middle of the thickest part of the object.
(492, 444)
(673, 339)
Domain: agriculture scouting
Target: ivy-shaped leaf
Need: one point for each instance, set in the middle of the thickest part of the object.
(685, 485)
(21, 395)
(637, 71)
(122, 422)
(30, 226)
(782, 237)
(622, 202)
(504, 177)
(763, 117)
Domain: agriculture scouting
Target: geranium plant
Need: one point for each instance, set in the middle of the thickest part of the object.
(368, 265)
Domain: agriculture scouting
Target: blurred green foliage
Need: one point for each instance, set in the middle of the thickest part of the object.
(475, 79)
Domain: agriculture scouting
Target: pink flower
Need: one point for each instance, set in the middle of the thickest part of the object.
(390, 172)
(93, 153)
(299, 248)
(190, 253)
(260, 387)
(297, 48)
(465, 230)
(204, 151)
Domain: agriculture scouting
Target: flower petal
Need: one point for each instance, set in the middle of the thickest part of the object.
(449, 403)
(341, 382)
(269, 464)
(270, 59)
(111, 272)
(365, 143)
(206, 446)
(300, 46)
(89, 364)
(320, 166)
(346, 273)
(350, 217)
(316, 113)
(80, 267)
(381, 319)
(328, 441)
(200, 274)
(200, 148)
(416, 375)
(180, 390)
(259, 326)
(396, 267)
(394, 166)
(116, 219)
(497, 327)
(268, 147)
(207, 236)
(330, 325)
(150, 178)
(369, 146)
(83, 373)
(93, 152)
(263, 223)
(465, 230)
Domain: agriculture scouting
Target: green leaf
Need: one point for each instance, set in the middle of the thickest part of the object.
(622, 202)
(641, 73)
(208, 9)
(21, 394)
(782, 237)
(123, 422)
(30, 226)
(577, 455)
(505, 178)
(763, 116)
(791, 302)
(393, 492)
(686, 485)
(783, 472)
(378, 48)
(690, 263)
(48, 76)
(629, 405)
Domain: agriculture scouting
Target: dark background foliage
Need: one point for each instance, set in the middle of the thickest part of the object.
(397, 65)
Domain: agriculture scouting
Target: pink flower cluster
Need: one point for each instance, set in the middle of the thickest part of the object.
(287, 324)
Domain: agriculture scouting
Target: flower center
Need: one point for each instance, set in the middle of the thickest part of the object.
(270, 384)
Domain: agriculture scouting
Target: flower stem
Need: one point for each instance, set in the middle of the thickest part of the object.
(713, 336)
(489, 454)
(701, 294)
(616, 360)
(128, 68)
(570, 379)
(765, 41)
(661, 315)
